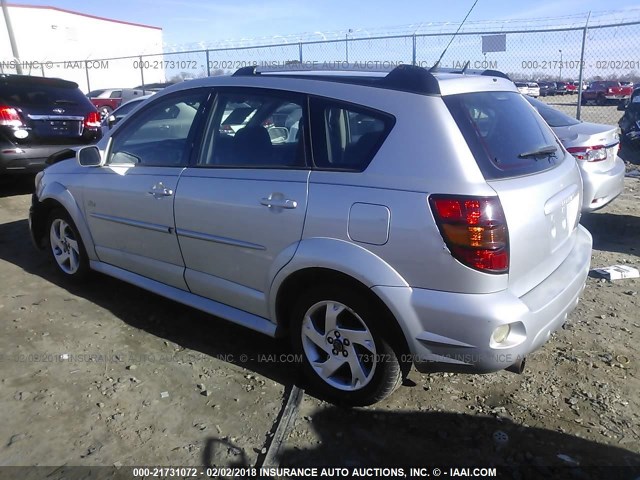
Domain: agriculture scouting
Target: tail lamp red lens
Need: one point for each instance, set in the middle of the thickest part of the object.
(92, 120)
(475, 231)
(596, 153)
(9, 117)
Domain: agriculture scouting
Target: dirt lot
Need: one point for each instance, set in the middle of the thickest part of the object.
(108, 374)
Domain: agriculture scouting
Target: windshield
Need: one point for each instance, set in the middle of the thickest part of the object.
(504, 134)
(555, 118)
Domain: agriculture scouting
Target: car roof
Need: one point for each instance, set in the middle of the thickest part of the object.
(405, 78)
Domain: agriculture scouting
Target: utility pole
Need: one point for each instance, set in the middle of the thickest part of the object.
(12, 40)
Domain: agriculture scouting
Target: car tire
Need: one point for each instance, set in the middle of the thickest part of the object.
(66, 247)
(342, 345)
(601, 101)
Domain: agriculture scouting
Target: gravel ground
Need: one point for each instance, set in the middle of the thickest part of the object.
(108, 374)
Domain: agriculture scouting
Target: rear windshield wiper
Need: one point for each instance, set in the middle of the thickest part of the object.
(548, 150)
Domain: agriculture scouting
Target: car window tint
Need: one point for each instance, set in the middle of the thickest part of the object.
(116, 94)
(346, 137)
(503, 132)
(255, 130)
(158, 135)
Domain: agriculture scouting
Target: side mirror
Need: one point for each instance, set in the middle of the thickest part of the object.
(111, 121)
(278, 134)
(89, 156)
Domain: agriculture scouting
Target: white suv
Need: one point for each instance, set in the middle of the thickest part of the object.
(395, 219)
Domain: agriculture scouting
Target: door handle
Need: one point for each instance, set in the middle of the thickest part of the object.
(278, 202)
(159, 190)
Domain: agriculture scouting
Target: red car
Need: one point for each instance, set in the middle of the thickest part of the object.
(108, 99)
(604, 92)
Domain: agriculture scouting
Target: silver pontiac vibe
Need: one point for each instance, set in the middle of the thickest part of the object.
(379, 219)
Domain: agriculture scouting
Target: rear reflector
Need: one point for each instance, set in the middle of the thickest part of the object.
(595, 153)
(9, 117)
(475, 231)
(92, 120)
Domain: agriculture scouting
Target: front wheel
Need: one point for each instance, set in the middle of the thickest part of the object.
(345, 353)
(66, 247)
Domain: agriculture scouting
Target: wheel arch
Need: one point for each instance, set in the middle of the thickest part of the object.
(55, 195)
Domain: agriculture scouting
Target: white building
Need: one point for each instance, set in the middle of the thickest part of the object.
(54, 42)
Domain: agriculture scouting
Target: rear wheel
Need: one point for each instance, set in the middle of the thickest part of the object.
(601, 100)
(345, 352)
(66, 247)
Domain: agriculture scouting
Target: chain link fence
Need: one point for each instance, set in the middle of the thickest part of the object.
(550, 54)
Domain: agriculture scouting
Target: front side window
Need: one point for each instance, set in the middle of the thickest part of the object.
(116, 94)
(505, 135)
(346, 137)
(255, 130)
(157, 135)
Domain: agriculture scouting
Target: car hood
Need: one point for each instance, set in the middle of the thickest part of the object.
(586, 133)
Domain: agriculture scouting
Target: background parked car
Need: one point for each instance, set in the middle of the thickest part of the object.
(630, 121)
(595, 147)
(522, 87)
(40, 116)
(560, 88)
(603, 92)
(533, 89)
(546, 89)
(122, 111)
(107, 100)
(571, 87)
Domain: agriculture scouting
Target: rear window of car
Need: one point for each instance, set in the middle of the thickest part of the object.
(555, 118)
(504, 134)
(27, 95)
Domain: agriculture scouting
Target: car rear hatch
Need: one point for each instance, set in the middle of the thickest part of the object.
(536, 180)
(53, 111)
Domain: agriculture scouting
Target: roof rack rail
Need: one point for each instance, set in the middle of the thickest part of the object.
(404, 77)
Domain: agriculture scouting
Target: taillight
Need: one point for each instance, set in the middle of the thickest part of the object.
(9, 117)
(609, 90)
(596, 153)
(92, 120)
(475, 231)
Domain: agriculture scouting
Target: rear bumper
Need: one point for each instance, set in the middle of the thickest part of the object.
(600, 188)
(452, 331)
(26, 159)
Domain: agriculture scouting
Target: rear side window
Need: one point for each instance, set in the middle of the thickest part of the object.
(346, 137)
(504, 133)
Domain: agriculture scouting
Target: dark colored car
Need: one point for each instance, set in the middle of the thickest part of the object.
(630, 121)
(561, 88)
(39, 117)
(547, 88)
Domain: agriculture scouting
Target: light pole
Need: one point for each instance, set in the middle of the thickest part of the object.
(560, 77)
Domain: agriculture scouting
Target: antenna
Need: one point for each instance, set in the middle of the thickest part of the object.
(437, 64)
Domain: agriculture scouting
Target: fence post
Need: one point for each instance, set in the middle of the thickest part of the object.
(42, 68)
(346, 47)
(413, 57)
(208, 64)
(300, 51)
(86, 71)
(141, 73)
(584, 41)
